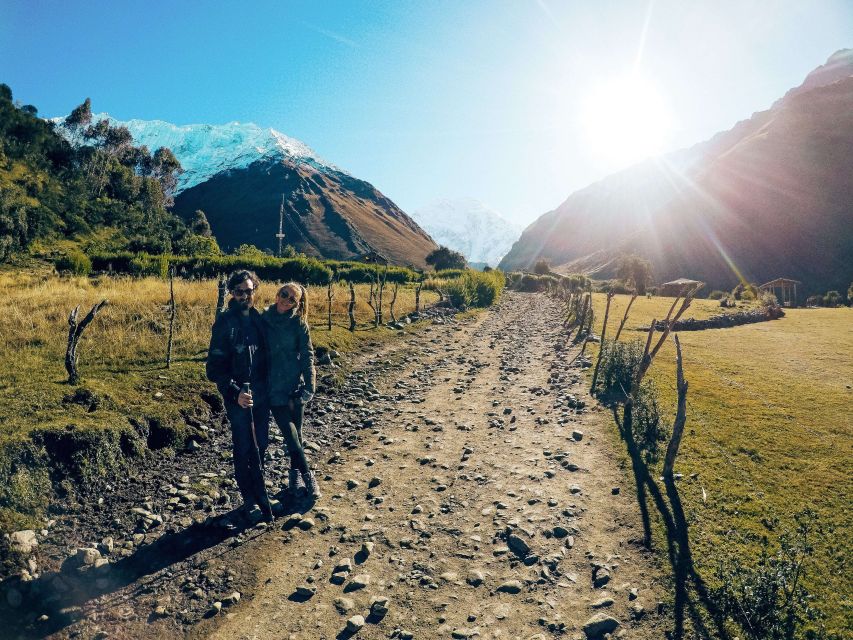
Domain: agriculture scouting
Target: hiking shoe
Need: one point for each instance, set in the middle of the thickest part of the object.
(311, 485)
(295, 484)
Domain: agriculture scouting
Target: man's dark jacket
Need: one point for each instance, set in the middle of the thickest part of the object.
(228, 362)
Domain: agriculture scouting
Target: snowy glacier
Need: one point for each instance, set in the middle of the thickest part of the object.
(468, 226)
(205, 150)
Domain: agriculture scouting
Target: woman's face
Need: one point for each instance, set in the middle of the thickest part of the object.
(287, 299)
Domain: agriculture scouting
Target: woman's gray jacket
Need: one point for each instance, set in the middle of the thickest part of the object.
(291, 355)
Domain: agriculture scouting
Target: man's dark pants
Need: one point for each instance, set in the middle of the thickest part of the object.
(243, 446)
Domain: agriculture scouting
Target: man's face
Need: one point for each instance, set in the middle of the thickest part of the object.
(244, 295)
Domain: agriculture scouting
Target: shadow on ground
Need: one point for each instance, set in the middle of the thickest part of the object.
(62, 596)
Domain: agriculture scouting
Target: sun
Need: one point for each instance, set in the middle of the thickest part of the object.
(626, 120)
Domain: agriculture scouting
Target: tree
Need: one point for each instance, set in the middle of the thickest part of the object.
(635, 271)
(444, 258)
(80, 116)
(249, 251)
(199, 225)
(850, 294)
(542, 266)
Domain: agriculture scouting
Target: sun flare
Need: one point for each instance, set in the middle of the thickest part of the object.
(626, 120)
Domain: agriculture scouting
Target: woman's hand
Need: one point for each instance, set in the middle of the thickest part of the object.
(245, 400)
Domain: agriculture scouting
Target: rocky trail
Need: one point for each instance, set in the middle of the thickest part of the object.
(471, 489)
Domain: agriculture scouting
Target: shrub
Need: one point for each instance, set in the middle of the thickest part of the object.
(770, 601)
(475, 289)
(832, 299)
(768, 300)
(542, 267)
(74, 262)
(620, 362)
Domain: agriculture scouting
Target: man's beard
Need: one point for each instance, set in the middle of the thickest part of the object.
(244, 305)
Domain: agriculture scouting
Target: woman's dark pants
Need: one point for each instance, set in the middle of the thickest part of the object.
(289, 420)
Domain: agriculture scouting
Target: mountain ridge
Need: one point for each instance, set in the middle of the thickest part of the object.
(769, 197)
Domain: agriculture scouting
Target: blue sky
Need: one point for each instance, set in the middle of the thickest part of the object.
(500, 100)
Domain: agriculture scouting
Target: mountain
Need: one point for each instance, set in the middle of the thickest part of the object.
(771, 197)
(469, 227)
(237, 174)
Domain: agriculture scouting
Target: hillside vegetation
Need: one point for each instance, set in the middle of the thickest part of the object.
(768, 436)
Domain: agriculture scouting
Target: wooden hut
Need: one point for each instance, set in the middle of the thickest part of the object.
(786, 286)
(679, 287)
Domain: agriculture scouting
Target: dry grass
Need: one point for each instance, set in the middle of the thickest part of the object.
(122, 353)
(768, 433)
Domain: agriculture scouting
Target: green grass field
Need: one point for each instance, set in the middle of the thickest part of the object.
(769, 426)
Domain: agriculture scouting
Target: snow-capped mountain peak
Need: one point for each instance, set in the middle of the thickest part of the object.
(205, 150)
(468, 226)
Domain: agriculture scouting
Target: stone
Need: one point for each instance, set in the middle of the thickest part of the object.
(599, 624)
(449, 576)
(343, 604)
(560, 532)
(344, 565)
(305, 591)
(378, 605)
(638, 610)
(352, 484)
(374, 482)
(359, 582)
(475, 578)
(87, 557)
(355, 623)
(367, 548)
(600, 577)
(518, 545)
(601, 603)
(231, 599)
(575, 488)
(106, 545)
(24, 541)
(510, 586)
(215, 608)
(577, 435)
(633, 593)
(306, 523)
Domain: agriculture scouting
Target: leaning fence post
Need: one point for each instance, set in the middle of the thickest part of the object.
(610, 295)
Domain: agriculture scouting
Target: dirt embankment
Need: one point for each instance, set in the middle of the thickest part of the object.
(469, 491)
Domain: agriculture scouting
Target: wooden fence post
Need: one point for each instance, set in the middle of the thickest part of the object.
(172, 314)
(351, 307)
(75, 330)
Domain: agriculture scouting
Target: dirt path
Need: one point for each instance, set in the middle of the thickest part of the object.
(470, 506)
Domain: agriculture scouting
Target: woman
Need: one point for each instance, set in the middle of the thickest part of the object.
(292, 377)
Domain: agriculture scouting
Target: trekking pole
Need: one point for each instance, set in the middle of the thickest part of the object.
(256, 466)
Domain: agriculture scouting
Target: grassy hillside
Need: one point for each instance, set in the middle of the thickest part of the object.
(768, 435)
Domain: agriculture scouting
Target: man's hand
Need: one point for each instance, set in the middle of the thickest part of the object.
(245, 400)
(306, 396)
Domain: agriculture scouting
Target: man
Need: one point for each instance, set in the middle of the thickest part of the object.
(237, 355)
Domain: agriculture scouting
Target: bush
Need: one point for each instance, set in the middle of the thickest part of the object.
(620, 362)
(716, 294)
(74, 262)
(542, 267)
(475, 289)
(770, 601)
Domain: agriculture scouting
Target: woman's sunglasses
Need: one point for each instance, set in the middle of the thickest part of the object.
(287, 297)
